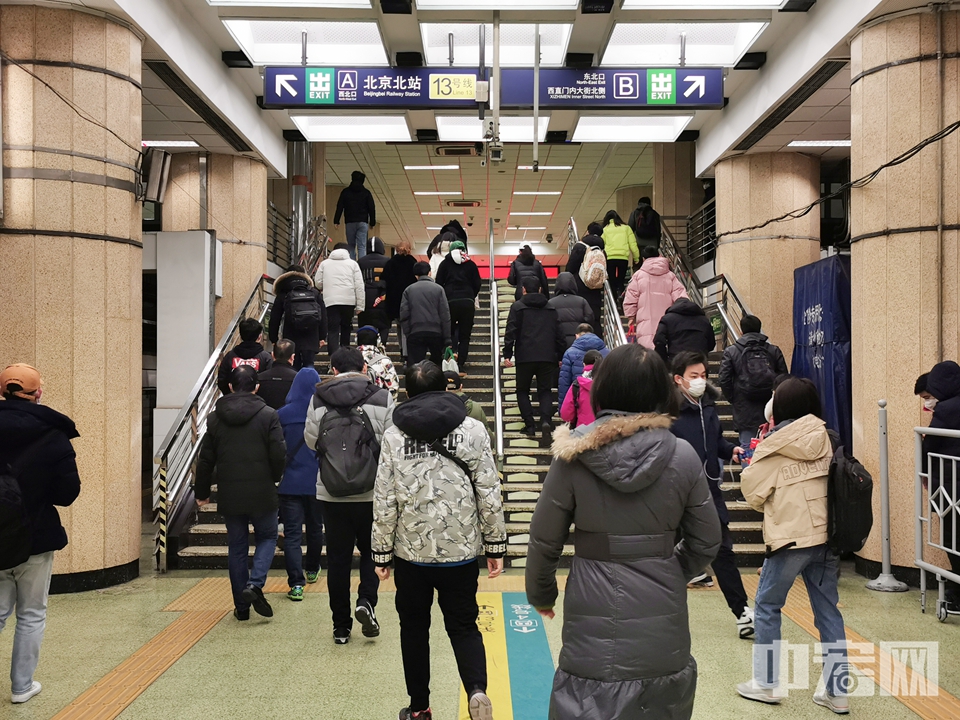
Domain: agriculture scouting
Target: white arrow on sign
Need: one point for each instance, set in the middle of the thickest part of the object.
(696, 81)
(525, 630)
(283, 83)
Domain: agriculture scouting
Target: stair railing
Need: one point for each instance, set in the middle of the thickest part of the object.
(278, 236)
(495, 357)
(613, 332)
(701, 234)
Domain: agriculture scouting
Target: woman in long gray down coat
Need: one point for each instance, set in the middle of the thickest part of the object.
(629, 484)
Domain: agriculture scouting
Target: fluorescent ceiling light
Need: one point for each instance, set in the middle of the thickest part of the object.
(497, 5)
(435, 227)
(444, 212)
(438, 192)
(541, 214)
(625, 128)
(457, 128)
(709, 44)
(703, 4)
(546, 167)
(293, 3)
(516, 43)
(353, 128)
(536, 192)
(530, 228)
(431, 167)
(278, 42)
(819, 143)
(170, 143)
(522, 242)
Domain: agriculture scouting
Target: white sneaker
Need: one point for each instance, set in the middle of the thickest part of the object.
(838, 703)
(745, 624)
(703, 580)
(35, 688)
(751, 691)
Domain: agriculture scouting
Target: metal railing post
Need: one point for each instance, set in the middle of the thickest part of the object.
(885, 582)
(495, 357)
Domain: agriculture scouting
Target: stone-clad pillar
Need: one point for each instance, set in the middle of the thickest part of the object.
(70, 244)
(235, 199)
(751, 189)
(905, 299)
(676, 190)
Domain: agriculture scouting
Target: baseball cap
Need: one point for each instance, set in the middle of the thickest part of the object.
(453, 380)
(26, 376)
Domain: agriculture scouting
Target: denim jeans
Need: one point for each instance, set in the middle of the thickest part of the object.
(818, 567)
(298, 510)
(357, 239)
(746, 436)
(25, 587)
(238, 538)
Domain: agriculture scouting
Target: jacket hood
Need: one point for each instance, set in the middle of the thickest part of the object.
(684, 306)
(526, 255)
(357, 178)
(21, 421)
(375, 246)
(803, 439)
(341, 254)
(566, 284)
(291, 279)
(642, 205)
(301, 393)
(655, 266)
(629, 452)
(537, 300)
(944, 380)
(248, 349)
(239, 408)
(430, 416)
(589, 342)
(754, 338)
(346, 390)
(456, 228)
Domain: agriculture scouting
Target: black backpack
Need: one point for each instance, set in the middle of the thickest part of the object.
(347, 451)
(300, 310)
(849, 504)
(755, 373)
(16, 537)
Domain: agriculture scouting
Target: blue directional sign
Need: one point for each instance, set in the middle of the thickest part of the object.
(624, 88)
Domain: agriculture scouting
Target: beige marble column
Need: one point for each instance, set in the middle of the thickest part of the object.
(905, 301)
(71, 256)
(627, 198)
(760, 263)
(676, 189)
(236, 207)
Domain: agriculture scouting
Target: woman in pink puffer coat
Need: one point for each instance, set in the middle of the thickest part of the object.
(652, 289)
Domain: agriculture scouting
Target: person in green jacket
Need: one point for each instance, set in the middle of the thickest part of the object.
(474, 409)
(620, 245)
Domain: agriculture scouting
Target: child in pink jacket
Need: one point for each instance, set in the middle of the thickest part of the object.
(652, 289)
(576, 409)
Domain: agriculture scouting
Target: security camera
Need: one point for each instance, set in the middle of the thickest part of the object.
(549, 238)
(483, 162)
(469, 223)
(496, 152)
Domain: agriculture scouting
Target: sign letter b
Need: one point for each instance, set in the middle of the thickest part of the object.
(626, 86)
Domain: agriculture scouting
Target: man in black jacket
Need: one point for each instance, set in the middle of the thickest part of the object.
(572, 309)
(300, 309)
(747, 372)
(35, 443)
(534, 328)
(248, 352)
(425, 317)
(356, 202)
(276, 382)
(645, 223)
(244, 449)
(459, 277)
(683, 327)
(374, 288)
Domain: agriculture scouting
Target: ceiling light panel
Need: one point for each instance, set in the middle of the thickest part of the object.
(293, 3)
(516, 44)
(439, 192)
(278, 42)
(621, 128)
(470, 129)
(537, 192)
(170, 143)
(820, 143)
(703, 4)
(546, 167)
(497, 5)
(353, 128)
(538, 214)
(709, 44)
(431, 167)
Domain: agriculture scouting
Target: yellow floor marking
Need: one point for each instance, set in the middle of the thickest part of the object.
(869, 660)
(495, 644)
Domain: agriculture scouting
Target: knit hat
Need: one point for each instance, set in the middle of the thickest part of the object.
(458, 245)
(26, 376)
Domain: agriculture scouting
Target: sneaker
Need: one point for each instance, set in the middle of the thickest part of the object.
(312, 577)
(480, 706)
(368, 619)
(296, 593)
(17, 698)
(530, 431)
(745, 624)
(241, 615)
(341, 636)
(701, 581)
(751, 691)
(838, 703)
(408, 714)
(254, 595)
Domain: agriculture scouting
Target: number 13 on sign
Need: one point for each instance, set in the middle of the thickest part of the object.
(453, 87)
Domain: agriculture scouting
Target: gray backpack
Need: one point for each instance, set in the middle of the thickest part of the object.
(347, 451)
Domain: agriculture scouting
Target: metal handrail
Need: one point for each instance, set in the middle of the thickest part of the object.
(702, 234)
(495, 356)
(278, 236)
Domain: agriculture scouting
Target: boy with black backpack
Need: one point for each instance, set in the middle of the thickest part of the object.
(299, 308)
(747, 373)
(345, 425)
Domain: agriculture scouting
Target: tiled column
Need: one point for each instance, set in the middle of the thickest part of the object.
(905, 301)
(751, 189)
(235, 199)
(676, 190)
(71, 257)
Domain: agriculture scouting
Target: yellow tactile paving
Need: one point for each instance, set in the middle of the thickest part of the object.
(932, 707)
(208, 594)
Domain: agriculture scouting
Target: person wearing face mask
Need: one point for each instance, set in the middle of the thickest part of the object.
(699, 424)
(459, 277)
(920, 390)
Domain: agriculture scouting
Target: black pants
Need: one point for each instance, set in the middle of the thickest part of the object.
(419, 345)
(545, 373)
(461, 327)
(348, 525)
(457, 596)
(303, 358)
(339, 326)
(728, 576)
(376, 317)
(617, 274)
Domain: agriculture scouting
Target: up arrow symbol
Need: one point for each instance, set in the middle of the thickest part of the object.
(696, 81)
(283, 83)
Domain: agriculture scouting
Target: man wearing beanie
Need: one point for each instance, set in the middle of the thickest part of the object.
(356, 202)
(35, 445)
(425, 317)
(459, 277)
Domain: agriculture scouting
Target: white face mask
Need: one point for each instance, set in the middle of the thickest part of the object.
(768, 411)
(930, 403)
(697, 387)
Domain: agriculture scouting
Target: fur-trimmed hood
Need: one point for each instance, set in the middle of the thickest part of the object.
(629, 452)
(286, 281)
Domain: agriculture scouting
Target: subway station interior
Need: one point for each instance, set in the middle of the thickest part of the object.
(165, 161)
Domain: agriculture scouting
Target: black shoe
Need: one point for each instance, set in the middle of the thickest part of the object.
(241, 615)
(408, 714)
(368, 619)
(341, 636)
(254, 596)
(546, 427)
(530, 431)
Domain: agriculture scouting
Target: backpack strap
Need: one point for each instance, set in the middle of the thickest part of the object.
(438, 448)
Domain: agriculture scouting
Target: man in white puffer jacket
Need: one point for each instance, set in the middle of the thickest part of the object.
(340, 281)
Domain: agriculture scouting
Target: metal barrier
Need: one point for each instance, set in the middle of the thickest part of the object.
(701, 234)
(885, 582)
(278, 236)
(495, 357)
(944, 502)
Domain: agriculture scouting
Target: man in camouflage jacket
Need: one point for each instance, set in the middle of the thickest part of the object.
(433, 519)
